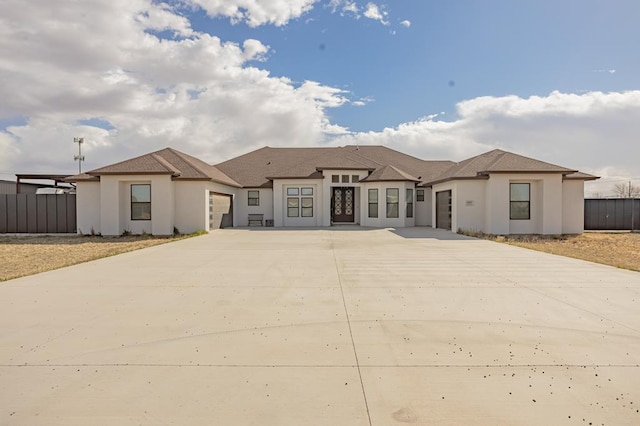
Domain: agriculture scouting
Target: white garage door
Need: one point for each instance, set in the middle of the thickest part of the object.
(220, 211)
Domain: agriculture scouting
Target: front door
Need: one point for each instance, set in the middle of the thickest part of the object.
(342, 207)
(443, 210)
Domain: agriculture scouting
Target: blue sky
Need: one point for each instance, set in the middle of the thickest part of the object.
(436, 79)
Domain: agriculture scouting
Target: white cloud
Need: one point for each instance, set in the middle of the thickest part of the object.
(594, 132)
(66, 61)
(373, 11)
(406, 23)
(255, 12)
(344, 6)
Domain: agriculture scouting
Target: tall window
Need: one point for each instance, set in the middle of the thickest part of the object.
(419, 194)
(409, 202)
(393, 199)
(373, 203)
(253, 198)
(307, 202)
(299, 202)
(141, 202)
(520, 201)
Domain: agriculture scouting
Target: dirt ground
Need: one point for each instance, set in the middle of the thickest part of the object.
(30, 255)
(616, 249)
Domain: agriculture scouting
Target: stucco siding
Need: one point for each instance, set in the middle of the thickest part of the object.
(88, 207)
(572, 207)
(242, 209)
(382, 221)
(280, 202)
(191, 206)
(423, 208)
(115, 205)
(468, 202)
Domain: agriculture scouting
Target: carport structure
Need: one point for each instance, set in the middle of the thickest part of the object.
(348, 326)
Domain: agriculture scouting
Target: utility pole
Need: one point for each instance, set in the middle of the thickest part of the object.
(79, 158)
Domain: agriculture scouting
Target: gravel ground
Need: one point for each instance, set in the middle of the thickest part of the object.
(30, 255)
(616, 249)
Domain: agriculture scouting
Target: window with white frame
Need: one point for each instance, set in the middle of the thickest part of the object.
(419, 195)
(519, 201)
(253, 198)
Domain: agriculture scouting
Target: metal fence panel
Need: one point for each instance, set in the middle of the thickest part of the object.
(52, 216)
(612, 214)
(71, 212)
(12, 214)
(41, 213)
(3, 213)
(21, 217)
(32, 213)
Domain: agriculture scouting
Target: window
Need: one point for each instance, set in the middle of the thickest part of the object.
(293, 204)
(355, 178)
(409, 202)
(393, 196)
(253, 198)
(335, 178)
(520, 201)
(373, 203)
(299, 202)
(141, 202)
(345, 178)
(307, 207)
(419, 194)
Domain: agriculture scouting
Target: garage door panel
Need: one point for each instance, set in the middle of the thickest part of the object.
(220, 211)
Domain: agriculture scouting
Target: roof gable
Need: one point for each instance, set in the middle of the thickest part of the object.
(497, 161)
(389, 173)
(167, 161)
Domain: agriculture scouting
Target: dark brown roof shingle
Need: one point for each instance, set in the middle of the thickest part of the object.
(168, 161)
(497, 161)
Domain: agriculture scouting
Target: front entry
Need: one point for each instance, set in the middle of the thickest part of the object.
(443, 210)
(342, 204)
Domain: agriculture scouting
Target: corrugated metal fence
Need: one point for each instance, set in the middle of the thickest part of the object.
(37, 214)
(615, 214)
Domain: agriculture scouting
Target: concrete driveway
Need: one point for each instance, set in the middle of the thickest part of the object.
(323, 327)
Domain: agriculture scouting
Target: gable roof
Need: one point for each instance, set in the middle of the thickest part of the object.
(389, 173)
(497, 161)
(167, 161)
(258, 168)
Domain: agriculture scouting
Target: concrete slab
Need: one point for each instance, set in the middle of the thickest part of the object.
(347, 326)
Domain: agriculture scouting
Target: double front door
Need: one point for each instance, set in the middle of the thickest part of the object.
(342, 204)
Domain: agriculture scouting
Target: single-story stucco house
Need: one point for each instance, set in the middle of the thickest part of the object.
(496, 193)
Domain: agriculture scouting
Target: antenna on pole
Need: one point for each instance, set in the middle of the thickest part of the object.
(79, 158)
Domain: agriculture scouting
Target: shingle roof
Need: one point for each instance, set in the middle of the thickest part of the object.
(81, 178)
(256, 168)
(169, 161)
(389, 173)
(252, 169)
(497, 161)
(580, 176)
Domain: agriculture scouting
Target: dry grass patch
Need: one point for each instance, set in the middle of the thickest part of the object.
(616, 249)
(30, 255)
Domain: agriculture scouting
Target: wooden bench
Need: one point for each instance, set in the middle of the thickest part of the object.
(256, 219)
